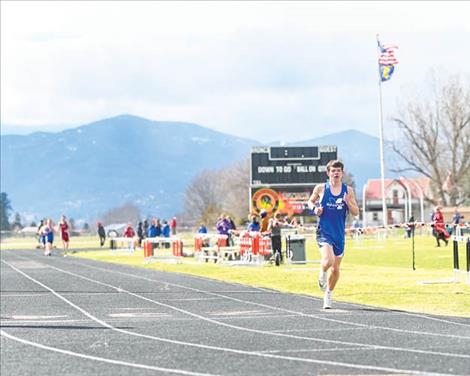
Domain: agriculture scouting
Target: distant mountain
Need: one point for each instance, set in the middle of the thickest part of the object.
(85, 171)
(8, 129)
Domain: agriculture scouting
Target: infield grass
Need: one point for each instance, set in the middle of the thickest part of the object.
(374, 272)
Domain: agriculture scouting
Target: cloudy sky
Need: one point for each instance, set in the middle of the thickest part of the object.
(265, 70)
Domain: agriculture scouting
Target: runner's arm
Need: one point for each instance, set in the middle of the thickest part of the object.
(350, 199)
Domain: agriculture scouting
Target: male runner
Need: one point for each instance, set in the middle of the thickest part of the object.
(332, 201)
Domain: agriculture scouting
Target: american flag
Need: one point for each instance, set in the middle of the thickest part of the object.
(387, 54)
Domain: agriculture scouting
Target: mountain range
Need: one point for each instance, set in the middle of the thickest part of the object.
(85, 171)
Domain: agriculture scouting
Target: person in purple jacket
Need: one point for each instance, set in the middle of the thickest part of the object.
(223, 225)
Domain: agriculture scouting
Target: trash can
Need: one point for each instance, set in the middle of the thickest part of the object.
(112, 244)
(296, 249)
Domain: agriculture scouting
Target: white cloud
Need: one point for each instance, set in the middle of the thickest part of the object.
(253, 69)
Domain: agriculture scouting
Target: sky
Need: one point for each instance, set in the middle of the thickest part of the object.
(271, 71)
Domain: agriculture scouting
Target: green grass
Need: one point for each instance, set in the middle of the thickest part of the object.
(374, 272)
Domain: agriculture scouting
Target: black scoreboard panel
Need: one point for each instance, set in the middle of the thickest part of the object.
(290, 165)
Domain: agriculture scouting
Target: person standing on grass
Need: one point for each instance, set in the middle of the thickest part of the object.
(439, 227)
(101, 233)
(332, 201)
(64, 233)
(173, 226)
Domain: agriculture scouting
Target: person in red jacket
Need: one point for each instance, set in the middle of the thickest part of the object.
(439, 227)
(129, 231)
(173, 226)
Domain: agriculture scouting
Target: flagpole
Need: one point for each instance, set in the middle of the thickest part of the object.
(382, 164)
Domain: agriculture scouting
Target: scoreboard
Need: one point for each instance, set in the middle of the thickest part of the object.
(282, 178)
(293, 165)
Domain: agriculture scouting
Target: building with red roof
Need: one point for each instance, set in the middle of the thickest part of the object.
(404, 197)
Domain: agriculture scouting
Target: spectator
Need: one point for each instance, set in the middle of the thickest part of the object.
(264, 221)
(166, 232)
(222, 225)
(158, 225)
(101, 233)
(202, 229)
(253, 226)
(439, 227)
(140, 233)
(129, 231)
(456, 220)
(410, 227)
(275, 226)
(173, 226)
(146, 227)
(152, 231)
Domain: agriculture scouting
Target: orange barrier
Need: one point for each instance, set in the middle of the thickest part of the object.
(177, 247)
(148, 249)
(197, 244)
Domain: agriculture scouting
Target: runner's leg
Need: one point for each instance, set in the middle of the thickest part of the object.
(334, 275)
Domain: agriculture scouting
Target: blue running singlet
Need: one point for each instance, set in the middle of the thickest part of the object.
(333, 219)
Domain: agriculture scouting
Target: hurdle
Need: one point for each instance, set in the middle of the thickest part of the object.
(455, 241)
(169, 250)
(253, 249)
(121, 244)
(455, 245)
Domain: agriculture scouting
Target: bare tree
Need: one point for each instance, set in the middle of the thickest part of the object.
(203, 197)
(212, 192)
(436, 140)
(126, 213)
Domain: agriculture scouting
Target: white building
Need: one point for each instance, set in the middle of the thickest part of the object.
(404, 197)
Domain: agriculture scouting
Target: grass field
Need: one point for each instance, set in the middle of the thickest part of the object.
(374, 272)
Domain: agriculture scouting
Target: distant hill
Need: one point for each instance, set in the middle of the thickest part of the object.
(85, 171)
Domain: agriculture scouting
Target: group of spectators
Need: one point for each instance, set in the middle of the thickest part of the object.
(156, 228)
(263, 224)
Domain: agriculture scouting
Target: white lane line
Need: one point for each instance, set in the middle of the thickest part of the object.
(314, 350)
(374, 327)
(38, 317)
(402, 349)
(139, 314)
(224, 349)
(238, 313)
(264, 289)
(97, 358)
(24, 295)
(317, 330)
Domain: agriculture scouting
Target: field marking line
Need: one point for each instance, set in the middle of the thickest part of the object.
(100, 359)
(282, 309)
(229, 350)
(204, 318)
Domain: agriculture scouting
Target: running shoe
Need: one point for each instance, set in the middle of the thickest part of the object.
(322, 282)
(327, 300)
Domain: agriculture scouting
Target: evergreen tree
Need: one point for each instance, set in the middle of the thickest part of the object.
(5, 208)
